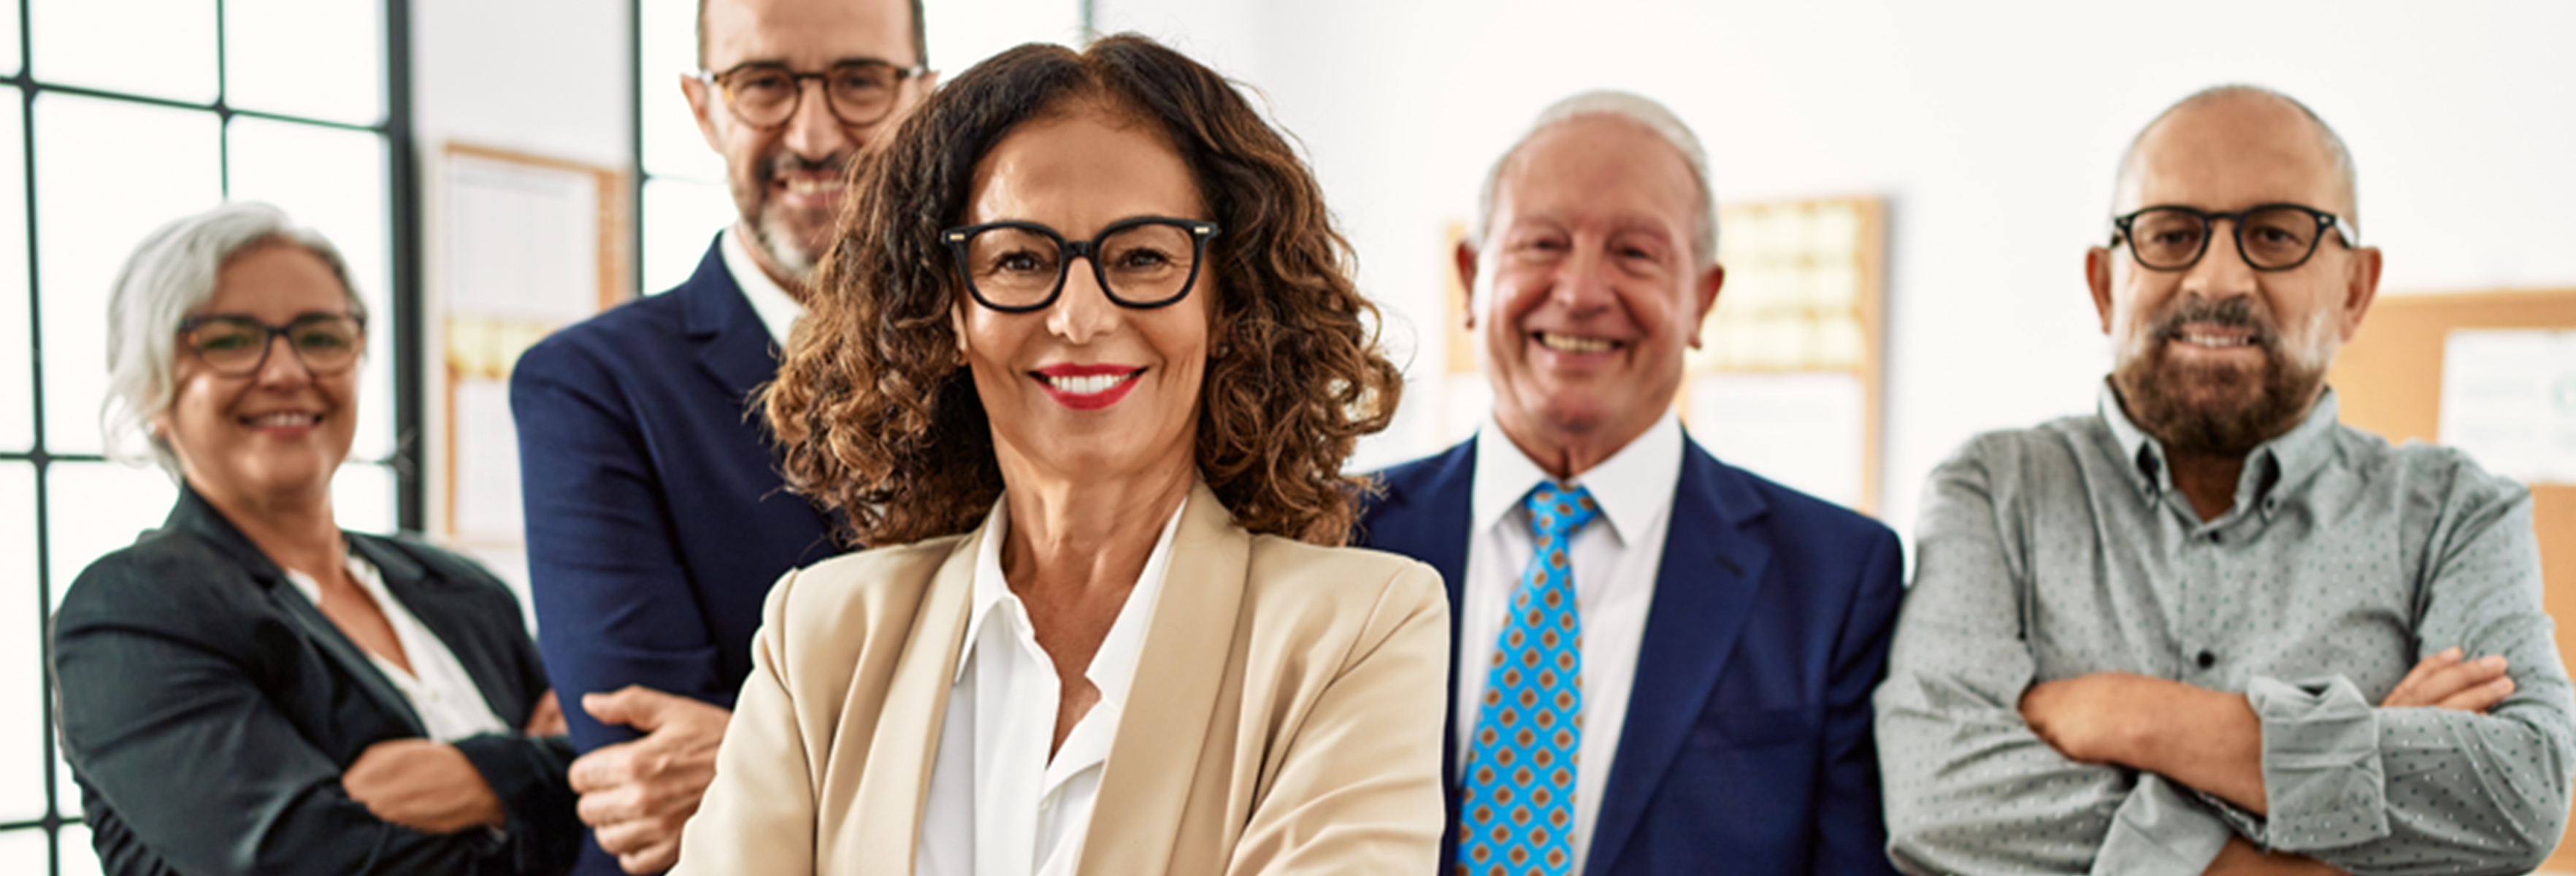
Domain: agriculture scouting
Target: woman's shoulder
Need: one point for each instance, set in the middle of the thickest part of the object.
(165, 576)
(1285, 572)
(862, 580)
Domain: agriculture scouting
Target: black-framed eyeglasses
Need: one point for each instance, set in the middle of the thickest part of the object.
(2270, 237)
(764, 94)
(1144, 262)
(327, 343)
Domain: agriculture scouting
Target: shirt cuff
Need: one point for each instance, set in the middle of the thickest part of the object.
(2323, 782)
(2160, 830)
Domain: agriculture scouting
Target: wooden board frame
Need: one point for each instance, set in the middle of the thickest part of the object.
(2388, 381)
(616, 285)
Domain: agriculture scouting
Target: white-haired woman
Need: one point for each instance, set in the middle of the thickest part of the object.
(249, 689)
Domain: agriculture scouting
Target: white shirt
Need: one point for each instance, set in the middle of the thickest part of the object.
(777, 309)
(449, 705)
(1615, 558)
(998, 806)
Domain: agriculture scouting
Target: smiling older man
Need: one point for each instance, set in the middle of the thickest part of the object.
(1661, 663)
(2209, 629)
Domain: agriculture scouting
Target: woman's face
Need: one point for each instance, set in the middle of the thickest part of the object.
(1086, 388)
(277, 433)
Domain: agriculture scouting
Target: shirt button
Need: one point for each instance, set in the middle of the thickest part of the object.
(2207, 659)
(2213, 538)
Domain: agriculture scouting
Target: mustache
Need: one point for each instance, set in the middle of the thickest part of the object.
(2231, 313)
(788, 162)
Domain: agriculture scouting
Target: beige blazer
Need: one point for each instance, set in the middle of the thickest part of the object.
(1286, 715)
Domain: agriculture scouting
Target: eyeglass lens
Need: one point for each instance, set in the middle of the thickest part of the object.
(2271, 238)
(859, 93)
(1140, 264)
(238, 345)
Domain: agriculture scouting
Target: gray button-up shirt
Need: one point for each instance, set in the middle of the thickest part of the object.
(2064, 550)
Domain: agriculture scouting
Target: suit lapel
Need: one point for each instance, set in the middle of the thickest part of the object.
(1145, 783)
(1704, 589)
(733, 346)
(196, 517)
(1427, 515)
(894, 786)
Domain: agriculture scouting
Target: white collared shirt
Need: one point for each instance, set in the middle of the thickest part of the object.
(449, 705)
(777, 309)
(998, 806)
(1615, 559)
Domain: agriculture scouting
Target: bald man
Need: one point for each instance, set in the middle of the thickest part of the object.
(2210, 629)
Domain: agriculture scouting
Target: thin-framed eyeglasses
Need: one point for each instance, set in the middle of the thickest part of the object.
(765, 94)
(1144, 262)
(327, 343)
(2270, 237)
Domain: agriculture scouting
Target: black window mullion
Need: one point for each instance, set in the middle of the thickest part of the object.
(395, 129)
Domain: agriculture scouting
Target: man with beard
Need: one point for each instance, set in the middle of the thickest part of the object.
(2209, 629)
(656, 517)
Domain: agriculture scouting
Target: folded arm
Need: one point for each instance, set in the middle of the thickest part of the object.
(1970, 788)
(162, 718)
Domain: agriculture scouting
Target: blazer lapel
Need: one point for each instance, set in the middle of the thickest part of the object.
(1145, 784)
(1426, 514)
(195, 516)
(733, 345)
(895, 785)
(458, 624)
(1704, 585)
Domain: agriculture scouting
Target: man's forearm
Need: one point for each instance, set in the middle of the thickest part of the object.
(2205, 739)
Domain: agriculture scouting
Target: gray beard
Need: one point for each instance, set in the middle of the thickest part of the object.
(784, 253)
(2152, 390)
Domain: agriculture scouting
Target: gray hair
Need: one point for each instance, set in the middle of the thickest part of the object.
(170, 274)
(2336, 151)
(1638, 109)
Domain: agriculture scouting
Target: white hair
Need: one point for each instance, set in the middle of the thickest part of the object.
(170, 274)
(1639, 110)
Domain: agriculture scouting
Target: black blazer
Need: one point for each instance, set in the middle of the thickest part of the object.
(208, 711)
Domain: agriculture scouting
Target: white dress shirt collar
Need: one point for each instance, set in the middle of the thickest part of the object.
(1113, 667)
(777, 309)
(998, 803)
(1634, 486)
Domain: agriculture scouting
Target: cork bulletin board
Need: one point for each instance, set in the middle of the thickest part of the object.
(2388, 381)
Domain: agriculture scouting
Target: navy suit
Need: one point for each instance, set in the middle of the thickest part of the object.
(657, 519)
(1747, 748)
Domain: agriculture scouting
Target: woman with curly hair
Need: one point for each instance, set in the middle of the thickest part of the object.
(1086, 365)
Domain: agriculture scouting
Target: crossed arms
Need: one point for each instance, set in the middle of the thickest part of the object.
(2462, 768)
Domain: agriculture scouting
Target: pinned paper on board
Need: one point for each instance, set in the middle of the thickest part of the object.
(2509, 401)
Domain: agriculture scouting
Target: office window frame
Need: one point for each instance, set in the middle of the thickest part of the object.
(399, 331)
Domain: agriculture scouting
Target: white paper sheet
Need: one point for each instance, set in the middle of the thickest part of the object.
(2509, 400)
(523, 241)
(487, 462)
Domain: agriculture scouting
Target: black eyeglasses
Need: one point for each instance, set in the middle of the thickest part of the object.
(2270, 237)
(327, 343)
(764, 94)
(1017, 267)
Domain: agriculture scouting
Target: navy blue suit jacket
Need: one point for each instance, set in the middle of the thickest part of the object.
(1747, 748)
(657, 519)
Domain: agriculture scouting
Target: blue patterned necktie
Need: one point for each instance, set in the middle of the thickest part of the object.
(1516, 809)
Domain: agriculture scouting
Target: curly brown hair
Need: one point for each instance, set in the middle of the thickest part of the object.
(878, 416)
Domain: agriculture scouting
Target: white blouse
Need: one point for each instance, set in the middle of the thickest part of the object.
(445, 698)
(998, 806)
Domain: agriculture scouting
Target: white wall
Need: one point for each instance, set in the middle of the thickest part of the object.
(549, 78)
(1991, 127)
